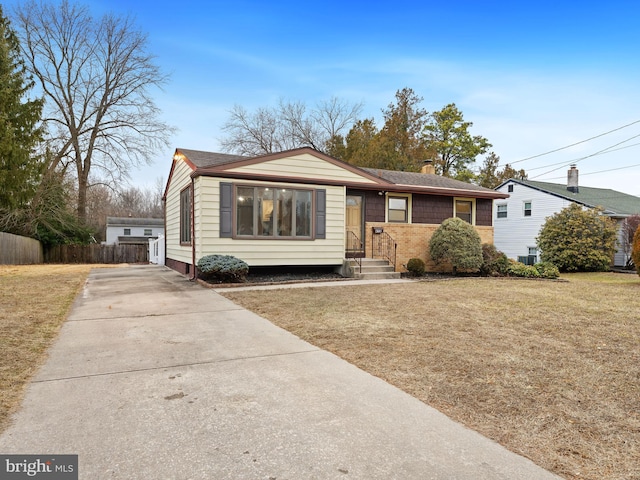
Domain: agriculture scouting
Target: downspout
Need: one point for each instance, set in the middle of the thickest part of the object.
(193, 231)
(164, 217)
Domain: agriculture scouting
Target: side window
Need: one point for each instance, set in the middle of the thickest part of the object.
(502, 210)
(147, 232)
(185, 216)
(527, 209)
(510, 188)
(127, 231)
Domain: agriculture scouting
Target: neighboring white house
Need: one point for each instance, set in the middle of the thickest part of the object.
(128, 230)
(519, 218)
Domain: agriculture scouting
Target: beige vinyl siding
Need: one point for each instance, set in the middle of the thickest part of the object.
(302, 166)
(179, 180)
(329, 251)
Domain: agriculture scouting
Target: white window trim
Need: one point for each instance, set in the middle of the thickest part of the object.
(524, 203)
(408, 196)
(506, 211)
(473, 207)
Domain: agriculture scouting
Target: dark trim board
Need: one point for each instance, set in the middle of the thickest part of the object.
(178, 266)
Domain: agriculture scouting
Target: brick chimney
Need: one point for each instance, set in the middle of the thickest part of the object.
(572, 180)
(428, 167)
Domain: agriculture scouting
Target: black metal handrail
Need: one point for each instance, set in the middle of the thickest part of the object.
(355, 248)
(383, 245)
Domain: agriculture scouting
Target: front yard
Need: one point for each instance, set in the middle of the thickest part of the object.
(551, 370)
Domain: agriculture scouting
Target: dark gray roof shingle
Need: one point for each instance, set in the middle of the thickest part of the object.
(209, 159)
(423, 180)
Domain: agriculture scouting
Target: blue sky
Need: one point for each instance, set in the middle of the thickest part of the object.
(531, 76)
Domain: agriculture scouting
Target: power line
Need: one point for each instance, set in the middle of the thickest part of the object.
(601, 171)
(574, 144)
(604, 150)
(569, 162)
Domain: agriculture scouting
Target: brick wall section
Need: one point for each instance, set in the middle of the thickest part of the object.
(413, 242)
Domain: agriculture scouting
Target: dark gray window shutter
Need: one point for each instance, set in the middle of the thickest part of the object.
(321, 214)
(226, 210)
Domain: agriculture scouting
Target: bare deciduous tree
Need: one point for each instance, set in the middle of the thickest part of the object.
(289, 125)
(96, 76)
(627, 232)
(140, 202)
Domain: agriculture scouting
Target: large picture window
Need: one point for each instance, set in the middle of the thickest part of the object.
(185, 216)
(263, 212)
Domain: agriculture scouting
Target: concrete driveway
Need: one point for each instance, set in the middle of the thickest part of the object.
(155, 377)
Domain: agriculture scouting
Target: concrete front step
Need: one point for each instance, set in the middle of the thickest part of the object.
(376, 276)
(373, 269)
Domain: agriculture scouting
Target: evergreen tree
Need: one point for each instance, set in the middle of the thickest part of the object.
(20, 169)
(401, 143)
(578, 240)
(447, 134)
(398, 145)
(489, 175)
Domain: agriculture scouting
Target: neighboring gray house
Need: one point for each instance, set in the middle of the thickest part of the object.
(518, 219)
(128, 230)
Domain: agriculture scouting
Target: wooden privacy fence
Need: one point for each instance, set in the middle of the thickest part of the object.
(17, 250)
(97, 254)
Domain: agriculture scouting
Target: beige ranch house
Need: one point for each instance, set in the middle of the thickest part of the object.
(304, 208)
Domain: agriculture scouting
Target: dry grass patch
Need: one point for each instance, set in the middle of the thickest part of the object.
(551, 370)
(34, 301)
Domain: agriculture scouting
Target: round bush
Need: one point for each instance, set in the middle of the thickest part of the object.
(577, 239)
(222, 268)
(416, 267)
(457, 242)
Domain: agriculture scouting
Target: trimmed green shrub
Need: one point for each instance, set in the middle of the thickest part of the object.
(494, 262)
(517, 269)
(547, 270)
(457, 242)
(222, 268)
(416, 267)
(577, 239)
(635, 252)
(539, 270)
